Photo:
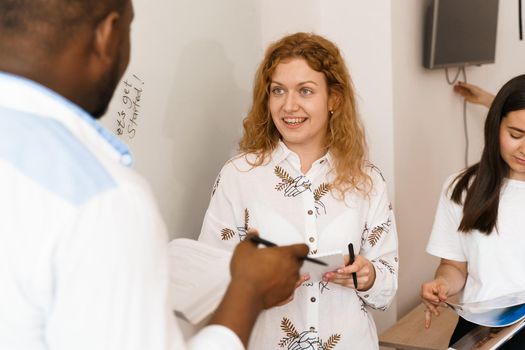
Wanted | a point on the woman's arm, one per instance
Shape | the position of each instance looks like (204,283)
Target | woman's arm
(449,279)
(377,263)
(474,94)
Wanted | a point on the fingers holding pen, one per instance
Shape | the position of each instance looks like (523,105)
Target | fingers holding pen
(277,273)
(362,267)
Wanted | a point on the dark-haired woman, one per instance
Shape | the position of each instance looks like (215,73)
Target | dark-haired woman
(478,230)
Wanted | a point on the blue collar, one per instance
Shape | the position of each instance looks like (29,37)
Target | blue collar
(119,146)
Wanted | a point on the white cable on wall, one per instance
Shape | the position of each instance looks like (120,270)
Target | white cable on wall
(452,82)
(461,70)
(465,124)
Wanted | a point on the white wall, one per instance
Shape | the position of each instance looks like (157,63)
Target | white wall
(196,61)
(428,129)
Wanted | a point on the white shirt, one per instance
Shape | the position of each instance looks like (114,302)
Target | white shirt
(83,250)
(289,207)
(495,261)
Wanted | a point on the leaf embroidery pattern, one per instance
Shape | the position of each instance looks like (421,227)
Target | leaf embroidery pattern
(290,186)
(286,179)
(227,234)
(389,267)
(373,238)
(243,230)
(313,252)
(332,342)
(216,184)
(288,328)
(290,331)
(320,191)
(378,231)
(306,339)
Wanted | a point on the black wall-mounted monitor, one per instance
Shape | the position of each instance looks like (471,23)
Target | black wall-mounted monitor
(460,32)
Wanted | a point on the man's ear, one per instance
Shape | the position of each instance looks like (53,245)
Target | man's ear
(107,38)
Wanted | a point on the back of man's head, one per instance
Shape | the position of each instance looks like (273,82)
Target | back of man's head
(50,24)
(78,48)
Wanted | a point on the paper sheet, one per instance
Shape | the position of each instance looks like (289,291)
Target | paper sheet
(497,312)
(334,261)
(199,276)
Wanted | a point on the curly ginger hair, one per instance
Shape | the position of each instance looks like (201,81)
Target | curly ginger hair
(345,136)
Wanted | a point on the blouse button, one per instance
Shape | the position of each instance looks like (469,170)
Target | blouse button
(312,240)
(366,295)
(310,212)
(312,299)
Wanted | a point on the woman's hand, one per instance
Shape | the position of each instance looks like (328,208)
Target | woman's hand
(451,276)
(434,294)
(474,94)
(365,270)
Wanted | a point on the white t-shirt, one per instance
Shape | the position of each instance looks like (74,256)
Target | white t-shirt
(496,262)
(83,249)
(289,207)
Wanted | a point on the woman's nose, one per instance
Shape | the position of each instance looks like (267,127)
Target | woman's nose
(290,104)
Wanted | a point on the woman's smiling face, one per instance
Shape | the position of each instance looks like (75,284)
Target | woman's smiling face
(299,104)
(512,143)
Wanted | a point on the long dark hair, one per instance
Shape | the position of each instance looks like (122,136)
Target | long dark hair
(482,181)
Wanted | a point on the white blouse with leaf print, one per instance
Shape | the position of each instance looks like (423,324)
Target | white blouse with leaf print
(288,207)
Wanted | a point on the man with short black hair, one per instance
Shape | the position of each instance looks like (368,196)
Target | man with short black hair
(83,260)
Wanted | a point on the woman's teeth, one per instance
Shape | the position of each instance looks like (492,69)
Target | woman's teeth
(294,121)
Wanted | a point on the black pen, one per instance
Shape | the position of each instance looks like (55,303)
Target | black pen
(352,258)
(259,240)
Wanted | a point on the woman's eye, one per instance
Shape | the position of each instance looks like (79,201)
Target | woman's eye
(515,136)
(277,90)
(306,91)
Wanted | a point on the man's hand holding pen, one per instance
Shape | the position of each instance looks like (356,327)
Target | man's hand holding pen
(302,279)
(270,274)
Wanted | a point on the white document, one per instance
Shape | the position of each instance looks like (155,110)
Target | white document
(496,303)
(497,312)
(199,276)
(334,261)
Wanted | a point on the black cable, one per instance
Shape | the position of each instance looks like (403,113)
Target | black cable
(520,20)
